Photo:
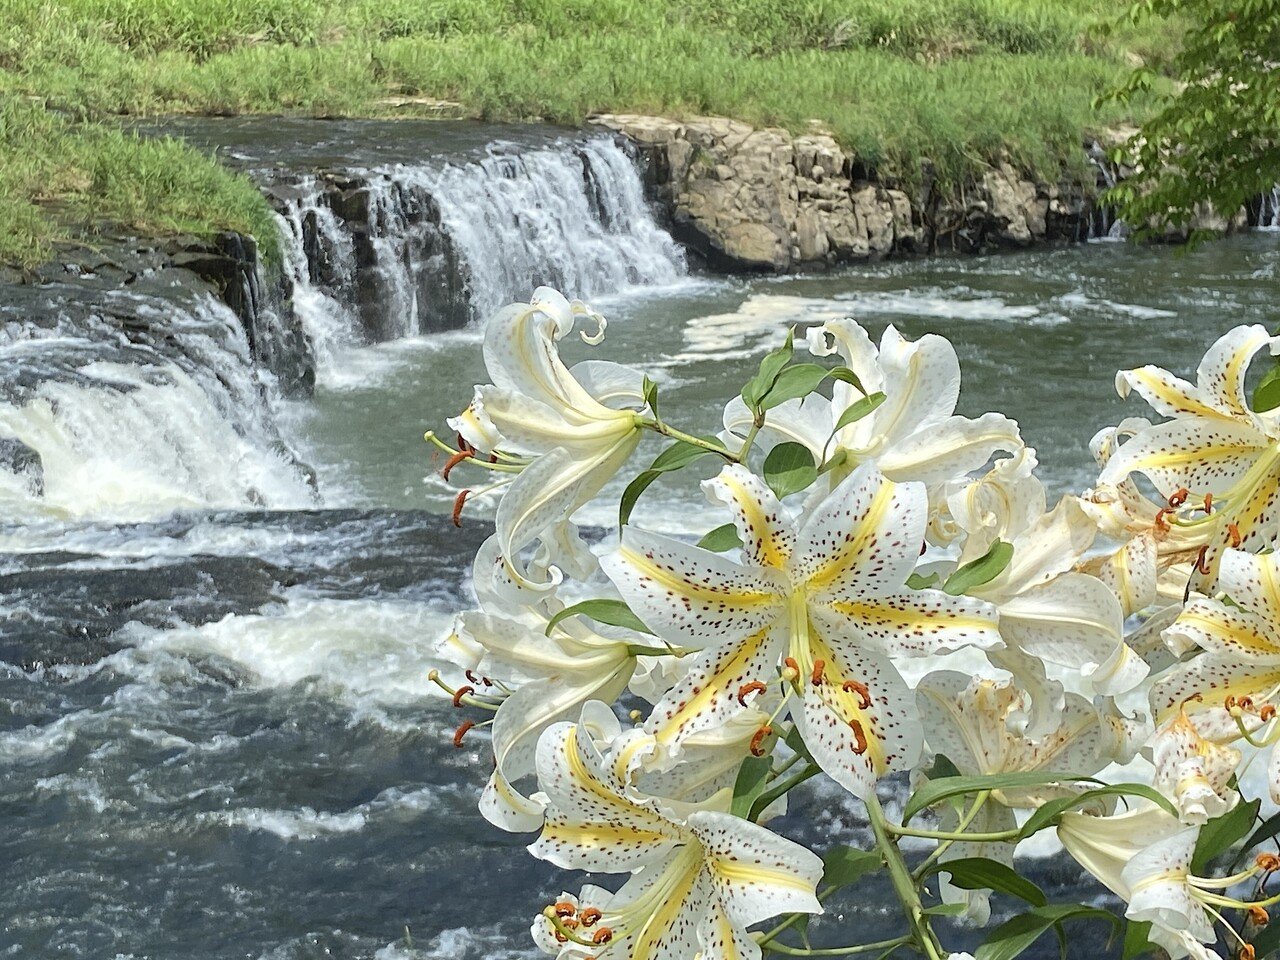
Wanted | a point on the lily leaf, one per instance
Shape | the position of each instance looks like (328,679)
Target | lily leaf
(793,382)
(613,612)
(983,570)
(845,375)
(844,865)
(1222,833)
(1266,395)
(935,791)
(753,776)
(1014,936)
(755,388)
(676,457)
(722,538)
(859,409)
(651,396)
(1048,813)
(789,468)
(980,873)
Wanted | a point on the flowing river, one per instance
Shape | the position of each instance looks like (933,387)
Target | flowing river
(217,738)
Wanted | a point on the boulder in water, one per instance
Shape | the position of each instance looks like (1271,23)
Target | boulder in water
(18,458)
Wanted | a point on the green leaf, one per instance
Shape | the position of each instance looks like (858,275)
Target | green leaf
(1222,833)
(793,382)
(1266,395)
(676,457)
(631,495)
(789,468)
(651,396)
(858,409)
(979,873)
(845,375)
(1266,942)
(844,865)
(1048,813)
(613,612)
(1014,936)
(755,388)
(983,570)
(1137,939)
(753,776)
(1269,828)
(796,743)
(919,582)
(722,538)
(944,910)
(936,791)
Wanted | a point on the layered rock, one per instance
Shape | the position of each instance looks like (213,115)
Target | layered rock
(764,199)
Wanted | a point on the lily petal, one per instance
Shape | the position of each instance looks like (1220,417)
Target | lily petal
(768,536)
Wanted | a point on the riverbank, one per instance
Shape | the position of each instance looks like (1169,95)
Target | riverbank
(961,84)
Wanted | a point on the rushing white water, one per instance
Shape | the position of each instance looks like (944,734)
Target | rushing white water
(435,246)
(1269,210)
(166,423)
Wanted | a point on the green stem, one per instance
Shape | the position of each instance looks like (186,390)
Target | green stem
(668,431)
(750,439)
(778,789)
(945,845)
(904,885)
(995,837)
(787,765)
(838,951)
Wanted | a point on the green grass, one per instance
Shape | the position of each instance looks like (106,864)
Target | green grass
(959,82)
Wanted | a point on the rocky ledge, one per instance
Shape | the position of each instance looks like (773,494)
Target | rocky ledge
(763,199)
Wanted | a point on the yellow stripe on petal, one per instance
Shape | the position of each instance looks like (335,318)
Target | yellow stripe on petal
(679,586)
(857,544)
(736,871)
(772,549)
(601,836)
(728,677)
(649,938)
(848,704)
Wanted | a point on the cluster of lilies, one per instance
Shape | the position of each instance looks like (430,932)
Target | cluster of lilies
(888,591)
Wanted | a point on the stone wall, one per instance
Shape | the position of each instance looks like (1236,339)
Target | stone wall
(762,199)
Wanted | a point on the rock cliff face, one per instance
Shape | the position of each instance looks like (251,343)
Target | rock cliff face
(749,199)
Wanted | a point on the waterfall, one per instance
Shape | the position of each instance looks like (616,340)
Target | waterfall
(388,252)
(1268,210)
(132,407)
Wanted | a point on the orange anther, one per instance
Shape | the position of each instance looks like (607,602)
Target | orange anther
(560,937)
(1246,703)
(864,695)
(790,664)
(1267,713)
(816,677)
(861,746)
(757,740)
(464,445)
(457,507)
(1230,702)
(1202,560)
(1247,951)
(1268,862)
(1179,497)
(1233,529)
(453,461)
(744,691)
(1208,503)
(1162,519)
(462,732)
(589,916)
(1259,916)
(570,923)
(564,908)
(460,693)
(603,935)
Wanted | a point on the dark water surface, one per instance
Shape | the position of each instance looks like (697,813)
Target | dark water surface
(216,733)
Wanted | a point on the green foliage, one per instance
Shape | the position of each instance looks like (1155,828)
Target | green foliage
(676,457)
(615,613)
(1214,139)
(1222,833)
(59,178)
(722,538)
(980,873)
(983,570)
(789,468)
(1013,937)
(843,866)
(958,82)
(753,777)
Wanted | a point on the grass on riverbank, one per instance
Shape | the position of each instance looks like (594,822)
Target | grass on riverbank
(955,81)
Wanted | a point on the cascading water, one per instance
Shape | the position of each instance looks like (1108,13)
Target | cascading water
(133,406)
(387,252)
(1268,210)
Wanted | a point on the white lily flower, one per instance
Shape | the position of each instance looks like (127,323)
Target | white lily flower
(1233,685)
(553,675)
(1212,446)
(1140,570)
(700,876)
(828,600)
(573,427)
(1194,772)
(966,719)
(913,435)
(1048,610)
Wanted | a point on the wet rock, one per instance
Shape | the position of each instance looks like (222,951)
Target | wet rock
(19,459)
